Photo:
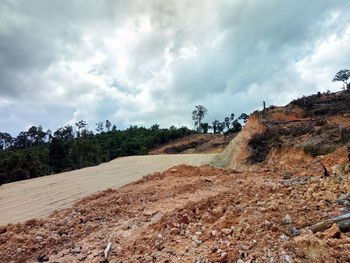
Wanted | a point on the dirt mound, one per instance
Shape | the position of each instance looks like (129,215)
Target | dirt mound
(195,143)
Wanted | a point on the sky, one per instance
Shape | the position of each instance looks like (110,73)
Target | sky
(143,62)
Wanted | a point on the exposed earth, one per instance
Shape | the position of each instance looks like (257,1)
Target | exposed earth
(261,206)
(37,198)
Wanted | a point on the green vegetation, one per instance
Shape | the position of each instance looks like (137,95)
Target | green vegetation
(312,150)
(229,125)
(37,153)
(345,136)
(343,76)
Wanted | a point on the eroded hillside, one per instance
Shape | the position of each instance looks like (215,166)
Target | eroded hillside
(267,209)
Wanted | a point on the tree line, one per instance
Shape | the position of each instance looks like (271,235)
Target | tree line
(230,124)
(36,152)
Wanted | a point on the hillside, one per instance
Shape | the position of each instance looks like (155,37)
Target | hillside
(261,205)
(195,143)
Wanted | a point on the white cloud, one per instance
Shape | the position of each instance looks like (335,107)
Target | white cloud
(146,62)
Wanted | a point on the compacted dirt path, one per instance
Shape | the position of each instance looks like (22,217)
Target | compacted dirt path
(37,198)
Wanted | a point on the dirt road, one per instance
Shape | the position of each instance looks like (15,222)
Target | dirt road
(37,198)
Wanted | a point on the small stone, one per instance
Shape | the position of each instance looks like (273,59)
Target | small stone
(347,168)
(3,230)
(314,179)
(246,247)
(287,219)
(199,233)
(224,255)
(347,203)
(42,258)
(39,238)
(213,233)
(295,232)
(333,232)
(175,231)
(226,231)
(284,237)
(173,170)
(344,210)
(185,219)
(288,259)
(286,176)
(337,169)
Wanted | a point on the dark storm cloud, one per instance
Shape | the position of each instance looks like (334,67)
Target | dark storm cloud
(137,61)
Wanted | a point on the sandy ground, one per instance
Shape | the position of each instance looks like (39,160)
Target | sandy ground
(37,198)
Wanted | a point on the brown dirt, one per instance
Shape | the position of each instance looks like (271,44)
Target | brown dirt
(206,214)
(195,143)
(192,214)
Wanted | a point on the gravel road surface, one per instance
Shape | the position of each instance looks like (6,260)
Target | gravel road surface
(37,198)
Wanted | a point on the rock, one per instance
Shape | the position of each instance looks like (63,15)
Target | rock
(42,258)
(337,169)
(347,168)
(333,232)
(284,237)
(226,231)
(343,198)
(287,219)
(185,219)
(39,238)
(213,233)
(286,176)
(175,231)
(344,226)
(306,208)
(173,170)
(223,256)
(347,203)
(344,210)
(3,229)
(288,259)
(294,232)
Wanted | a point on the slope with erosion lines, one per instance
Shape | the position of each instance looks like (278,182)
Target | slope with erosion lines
(37,198)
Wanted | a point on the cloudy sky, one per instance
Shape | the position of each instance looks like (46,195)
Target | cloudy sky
(142,62)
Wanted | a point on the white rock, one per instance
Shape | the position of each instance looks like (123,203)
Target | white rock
(288,219)
(226,231)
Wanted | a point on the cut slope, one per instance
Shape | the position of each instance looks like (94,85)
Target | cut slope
(236,153)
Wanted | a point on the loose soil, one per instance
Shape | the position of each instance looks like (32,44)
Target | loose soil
(195,214)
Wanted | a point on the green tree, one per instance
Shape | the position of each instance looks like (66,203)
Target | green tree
(205,127)
(243,117)
(236,126)
(197,115)
(343,76)
(81,125)
(108,125)
(227,122)
(99,127)
(155,127)
(215,126)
